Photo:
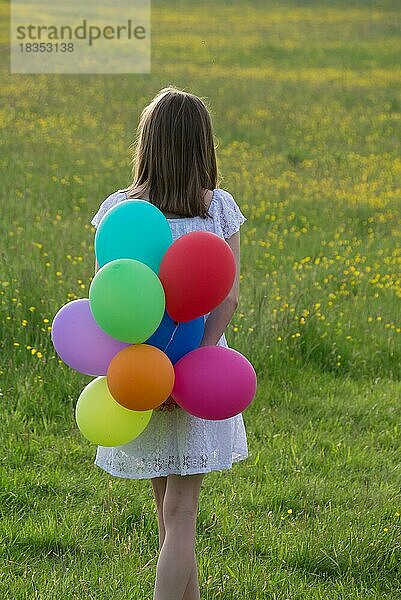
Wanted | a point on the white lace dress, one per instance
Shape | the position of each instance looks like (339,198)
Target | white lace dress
(175,441)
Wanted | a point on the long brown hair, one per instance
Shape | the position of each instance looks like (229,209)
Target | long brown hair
(174,157)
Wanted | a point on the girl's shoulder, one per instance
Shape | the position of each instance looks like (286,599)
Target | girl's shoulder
(228,212)
(108,203)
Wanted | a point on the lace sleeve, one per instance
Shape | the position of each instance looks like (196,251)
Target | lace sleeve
(105,206)
(231,217)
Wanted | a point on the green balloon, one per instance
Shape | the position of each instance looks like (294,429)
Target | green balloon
(127,300)
(103,421)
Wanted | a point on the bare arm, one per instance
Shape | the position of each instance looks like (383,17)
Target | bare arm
(219,318)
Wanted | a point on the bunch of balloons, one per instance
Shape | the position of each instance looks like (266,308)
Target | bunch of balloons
(140,329)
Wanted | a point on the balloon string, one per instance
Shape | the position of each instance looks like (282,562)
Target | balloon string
(172,335)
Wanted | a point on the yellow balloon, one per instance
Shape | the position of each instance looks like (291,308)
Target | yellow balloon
(104,421)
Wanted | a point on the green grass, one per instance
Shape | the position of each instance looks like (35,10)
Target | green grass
(306,102)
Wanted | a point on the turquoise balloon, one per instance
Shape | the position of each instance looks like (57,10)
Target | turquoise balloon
(133,229)
(127,300)
(103,421)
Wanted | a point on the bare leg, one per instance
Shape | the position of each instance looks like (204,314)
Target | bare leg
(192,592)
(159,488)
(177,556)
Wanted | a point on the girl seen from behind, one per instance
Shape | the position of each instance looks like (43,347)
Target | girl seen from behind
(175,168)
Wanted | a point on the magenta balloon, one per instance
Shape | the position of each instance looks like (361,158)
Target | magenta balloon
(80,342)
(214,382)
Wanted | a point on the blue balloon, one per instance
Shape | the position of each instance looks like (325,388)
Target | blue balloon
(133,229)
(187,336)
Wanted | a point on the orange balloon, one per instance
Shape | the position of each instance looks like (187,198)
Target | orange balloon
(140,377)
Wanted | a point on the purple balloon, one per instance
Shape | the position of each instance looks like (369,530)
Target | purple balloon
(80,342)
(214,382)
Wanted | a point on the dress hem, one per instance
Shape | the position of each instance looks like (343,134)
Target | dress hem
(157,474)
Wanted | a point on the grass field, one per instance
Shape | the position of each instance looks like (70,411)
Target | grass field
(306,102)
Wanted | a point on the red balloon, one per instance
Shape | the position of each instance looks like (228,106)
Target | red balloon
(197,272)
